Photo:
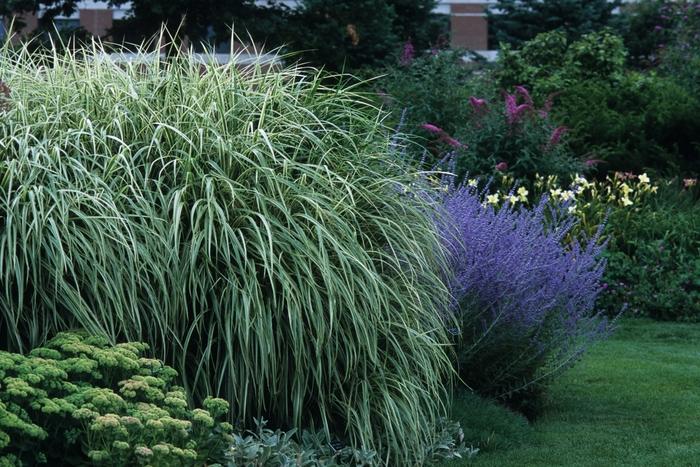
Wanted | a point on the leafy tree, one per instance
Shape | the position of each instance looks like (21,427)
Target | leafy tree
(359,33)
(199,20)
(344,33)
(415,21)
(517,21)
(52,8)
(639,28)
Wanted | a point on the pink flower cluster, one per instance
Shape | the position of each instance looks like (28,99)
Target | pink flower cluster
(442,135)
(408,53)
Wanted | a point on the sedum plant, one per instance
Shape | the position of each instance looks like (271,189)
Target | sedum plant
(80,401)
(246,223)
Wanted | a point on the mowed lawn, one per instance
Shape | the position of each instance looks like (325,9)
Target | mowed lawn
(633,400)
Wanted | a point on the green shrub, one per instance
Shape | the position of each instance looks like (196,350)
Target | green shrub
(642,122)
(517,21)
(80,401)
(247,224)
(654,258)
(549,63)
(413,88)
(489,426)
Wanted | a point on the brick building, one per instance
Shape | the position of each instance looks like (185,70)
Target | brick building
(94,16)
(468,24)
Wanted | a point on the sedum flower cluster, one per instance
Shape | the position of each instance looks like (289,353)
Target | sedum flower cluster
(79,400)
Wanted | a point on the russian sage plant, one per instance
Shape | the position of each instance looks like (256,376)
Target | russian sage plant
(523,295)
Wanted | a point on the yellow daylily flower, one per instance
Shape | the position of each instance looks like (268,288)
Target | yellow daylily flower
(567,195)
(522,193)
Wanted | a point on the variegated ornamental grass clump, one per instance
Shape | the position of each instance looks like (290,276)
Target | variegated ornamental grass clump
(246,224)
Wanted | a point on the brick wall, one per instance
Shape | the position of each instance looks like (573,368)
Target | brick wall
(469,27)
(97,22)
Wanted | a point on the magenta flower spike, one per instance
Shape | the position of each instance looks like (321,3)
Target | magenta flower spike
(434,129)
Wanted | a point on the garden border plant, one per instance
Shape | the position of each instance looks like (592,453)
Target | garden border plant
(247,224)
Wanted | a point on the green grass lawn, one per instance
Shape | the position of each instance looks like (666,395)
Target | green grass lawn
(633,400)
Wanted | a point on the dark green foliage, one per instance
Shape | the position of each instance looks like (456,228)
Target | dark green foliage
(517,21)
(416,22)
(199,20)
(50,8)
(639,30)
(352,34)
(79,400)
(680,57)
(550,63)
(632,121)
(642,122)
(488,425)
(434,88)
(654,258)
(345,34)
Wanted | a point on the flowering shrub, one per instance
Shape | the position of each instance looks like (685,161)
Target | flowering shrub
(653,237)
(485,129)
(525,299)
(512,135)
(79,400)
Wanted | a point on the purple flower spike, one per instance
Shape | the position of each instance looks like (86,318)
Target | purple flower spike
(452,142)
(524,295)
(430,128)
(556,136)
(525,94)
(408,54)
(477,104)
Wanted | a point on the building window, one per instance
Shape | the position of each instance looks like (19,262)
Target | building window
(66,24)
